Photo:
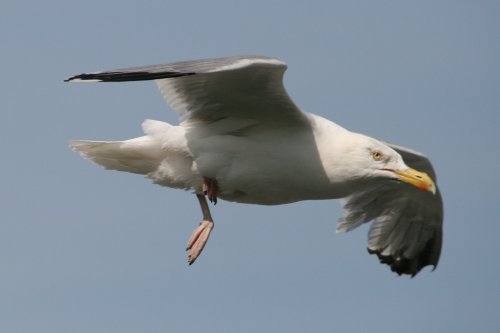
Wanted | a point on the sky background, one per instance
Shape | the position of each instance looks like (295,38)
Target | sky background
(83,249)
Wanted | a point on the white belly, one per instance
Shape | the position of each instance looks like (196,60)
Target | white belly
(254,171)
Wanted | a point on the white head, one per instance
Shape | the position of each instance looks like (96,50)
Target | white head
(364,158)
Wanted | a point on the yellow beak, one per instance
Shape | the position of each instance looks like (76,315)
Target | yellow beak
(418,179)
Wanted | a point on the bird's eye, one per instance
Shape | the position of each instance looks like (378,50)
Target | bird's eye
(377,155)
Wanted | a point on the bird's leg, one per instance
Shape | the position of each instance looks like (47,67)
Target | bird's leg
(210,189)
(200,235)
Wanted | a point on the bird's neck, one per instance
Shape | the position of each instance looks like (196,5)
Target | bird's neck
(333,143)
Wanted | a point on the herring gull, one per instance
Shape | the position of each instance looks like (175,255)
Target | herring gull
(242,139)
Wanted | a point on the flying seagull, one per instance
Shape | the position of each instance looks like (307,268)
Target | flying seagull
(242,139)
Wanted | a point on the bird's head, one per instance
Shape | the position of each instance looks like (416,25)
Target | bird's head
(376,160)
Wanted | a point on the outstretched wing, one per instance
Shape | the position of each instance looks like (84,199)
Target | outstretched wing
(210,90)
(406,232)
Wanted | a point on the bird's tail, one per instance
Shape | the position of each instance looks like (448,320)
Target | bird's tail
(162,155)
(141,155)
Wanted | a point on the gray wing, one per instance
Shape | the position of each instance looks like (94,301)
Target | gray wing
(406,232)
(209,90)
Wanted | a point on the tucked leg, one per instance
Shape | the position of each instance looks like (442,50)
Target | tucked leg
(200,235)
(210,189)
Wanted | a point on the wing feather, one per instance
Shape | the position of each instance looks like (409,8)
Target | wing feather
(210,90)
(247,88)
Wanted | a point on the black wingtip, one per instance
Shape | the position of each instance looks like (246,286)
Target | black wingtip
(69,79)
(402,265)
(82,77)
(117,76)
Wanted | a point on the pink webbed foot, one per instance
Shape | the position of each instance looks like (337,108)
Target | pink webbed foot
(200,235)
(198,239)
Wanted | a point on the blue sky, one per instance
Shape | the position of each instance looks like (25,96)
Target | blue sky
(88,250)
